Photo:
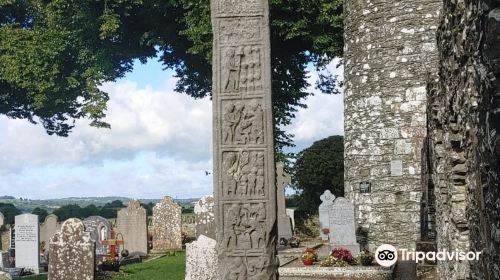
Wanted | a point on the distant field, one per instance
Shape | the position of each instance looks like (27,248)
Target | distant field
(27,205)
(164,268)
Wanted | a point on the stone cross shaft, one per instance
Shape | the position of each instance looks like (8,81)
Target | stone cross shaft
(244,168)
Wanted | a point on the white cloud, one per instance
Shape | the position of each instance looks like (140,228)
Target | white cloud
(324,115)
(160,144)
(168,123)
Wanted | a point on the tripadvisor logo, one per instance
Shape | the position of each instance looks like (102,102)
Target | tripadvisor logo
(387,255)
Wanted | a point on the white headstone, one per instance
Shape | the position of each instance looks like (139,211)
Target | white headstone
(327,199)
(201,259)
(27,242)
(2,219)
(343,226)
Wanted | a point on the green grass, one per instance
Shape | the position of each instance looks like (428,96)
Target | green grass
(164,268)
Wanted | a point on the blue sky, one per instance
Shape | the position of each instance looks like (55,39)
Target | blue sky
(159,143)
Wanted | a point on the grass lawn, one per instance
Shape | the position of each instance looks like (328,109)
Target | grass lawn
(164,268)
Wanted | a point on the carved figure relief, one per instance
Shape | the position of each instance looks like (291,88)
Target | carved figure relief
(243,174)
(237,31)
(239,7)
(247,268)
(241,69)
(244,226)
(242,123)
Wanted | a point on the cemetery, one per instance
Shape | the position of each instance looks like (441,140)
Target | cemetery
(417,167)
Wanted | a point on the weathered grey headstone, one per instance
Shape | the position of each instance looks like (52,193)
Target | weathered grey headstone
(131,222)
(5,276)
(205,217)
(343,226)
(48,228)
(327,199)
(284,223)
(71,252)
(5,234)
(100,230)
(167,235)
(27,241)
(244,168)
(4,259)
(201,259)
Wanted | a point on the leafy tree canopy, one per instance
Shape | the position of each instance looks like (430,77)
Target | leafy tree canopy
(319,168)
(42,214)
(54,54)
(109,210)
(9,212)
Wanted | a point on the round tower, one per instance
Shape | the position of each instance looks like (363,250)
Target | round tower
(390,54)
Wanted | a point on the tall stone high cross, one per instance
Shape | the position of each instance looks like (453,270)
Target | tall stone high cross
(244,168)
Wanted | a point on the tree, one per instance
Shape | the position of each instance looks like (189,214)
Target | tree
(110,210)
(69,211)
(9,212)
(42,213)
(318,168)
(54,54)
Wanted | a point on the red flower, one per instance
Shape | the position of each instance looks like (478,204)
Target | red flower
(342,254)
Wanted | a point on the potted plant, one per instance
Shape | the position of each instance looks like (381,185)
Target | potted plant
(309,256)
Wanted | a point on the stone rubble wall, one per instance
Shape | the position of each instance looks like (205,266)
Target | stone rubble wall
(390,50)
(464,118)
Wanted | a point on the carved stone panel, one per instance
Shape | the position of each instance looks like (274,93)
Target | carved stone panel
(245,227)
(242,122)
(234,31)
(241,69)
(243,174)
(236,7)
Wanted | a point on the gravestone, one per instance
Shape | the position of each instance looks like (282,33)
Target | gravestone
(131,222)
(327,199)
(284,223)
(205,217)
(4,260)
(291,214)
(167,235)
(201,259)
(71,252)
(27,239)
(2,219)
(244,167)
(48,228)
(99,229)
(343,226)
